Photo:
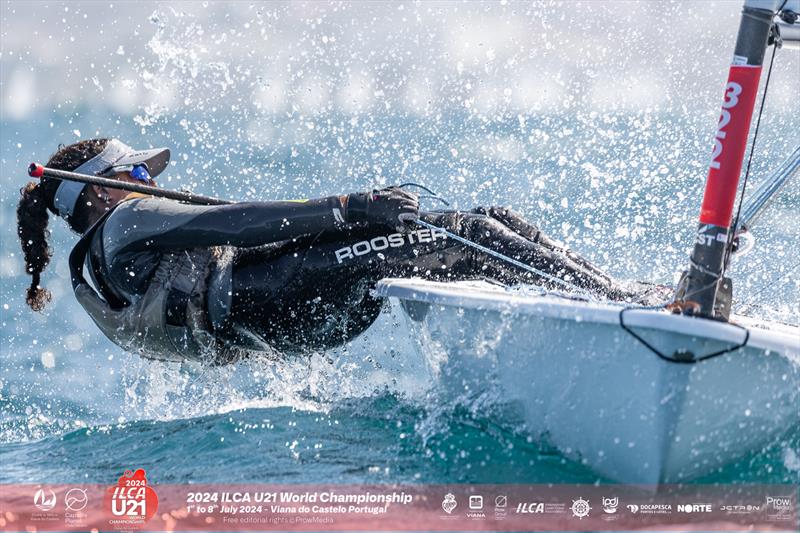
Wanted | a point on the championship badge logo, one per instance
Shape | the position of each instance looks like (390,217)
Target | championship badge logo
(131,502)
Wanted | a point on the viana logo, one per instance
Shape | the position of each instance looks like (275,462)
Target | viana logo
(476,502)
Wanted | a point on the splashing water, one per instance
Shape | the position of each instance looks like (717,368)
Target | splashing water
(600,136)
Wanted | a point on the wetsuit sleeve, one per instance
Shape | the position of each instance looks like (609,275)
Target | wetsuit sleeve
(150,223)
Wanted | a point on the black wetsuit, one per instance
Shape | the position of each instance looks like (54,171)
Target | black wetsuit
(298,277)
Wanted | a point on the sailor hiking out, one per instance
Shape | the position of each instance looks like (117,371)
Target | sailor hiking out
(175,281)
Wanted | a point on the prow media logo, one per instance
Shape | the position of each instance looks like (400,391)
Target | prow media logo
(780,508)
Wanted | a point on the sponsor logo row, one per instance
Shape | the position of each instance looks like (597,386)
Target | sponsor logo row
(776,507)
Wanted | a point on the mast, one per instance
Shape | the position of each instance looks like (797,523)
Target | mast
(703,290)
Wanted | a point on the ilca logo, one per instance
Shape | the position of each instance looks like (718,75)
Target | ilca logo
(44,499)
(530,508)
(132,501)
(449,503)
(580,508)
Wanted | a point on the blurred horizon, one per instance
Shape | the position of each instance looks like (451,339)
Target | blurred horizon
(145,59)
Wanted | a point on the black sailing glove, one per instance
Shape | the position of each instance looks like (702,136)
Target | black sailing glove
(391,207)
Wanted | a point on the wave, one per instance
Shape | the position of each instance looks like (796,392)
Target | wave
(382,439)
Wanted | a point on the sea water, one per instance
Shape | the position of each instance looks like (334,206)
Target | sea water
(621,186)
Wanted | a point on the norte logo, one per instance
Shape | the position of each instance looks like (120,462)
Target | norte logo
(131,502)
(694,508)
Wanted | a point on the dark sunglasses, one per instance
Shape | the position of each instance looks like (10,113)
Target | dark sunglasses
(138,172)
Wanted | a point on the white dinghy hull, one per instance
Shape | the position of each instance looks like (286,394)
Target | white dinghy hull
(598,394)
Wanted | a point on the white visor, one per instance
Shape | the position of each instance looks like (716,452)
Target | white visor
(116,153)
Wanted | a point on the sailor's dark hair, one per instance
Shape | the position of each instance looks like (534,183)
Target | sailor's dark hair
(37,198)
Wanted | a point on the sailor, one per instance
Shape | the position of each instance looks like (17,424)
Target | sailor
(213,283)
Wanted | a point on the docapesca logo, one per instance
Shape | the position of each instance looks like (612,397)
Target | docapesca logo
(131,502)
(650,508)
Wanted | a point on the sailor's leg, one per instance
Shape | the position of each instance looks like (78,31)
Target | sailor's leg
(493,234)
(514,221)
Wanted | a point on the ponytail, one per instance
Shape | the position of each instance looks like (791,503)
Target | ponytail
(32,215)
(32,219)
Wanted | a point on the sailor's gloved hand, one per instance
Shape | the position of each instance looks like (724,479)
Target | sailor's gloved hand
(391,207)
